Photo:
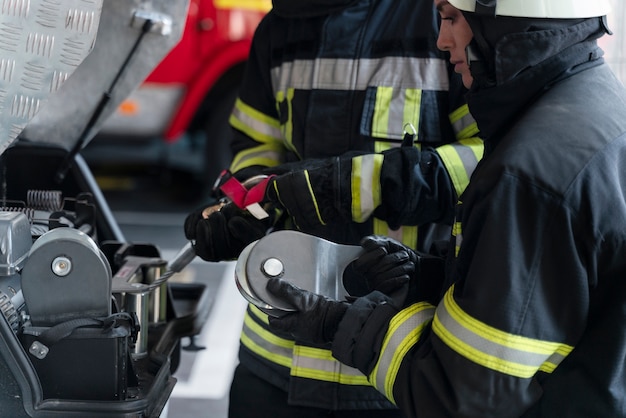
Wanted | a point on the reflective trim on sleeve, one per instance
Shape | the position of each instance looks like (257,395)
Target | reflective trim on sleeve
(460,159)
(405,330)
(267,155)
(319,364)
(463,123)
(304,362)
(366,193)
(266,344)
(287,127)
(258,126)
(352,75)
(405,234)
(380,146)
(457,233)
(492,348)
(313,199)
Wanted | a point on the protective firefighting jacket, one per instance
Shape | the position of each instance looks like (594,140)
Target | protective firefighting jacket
(531,321)
(326,85)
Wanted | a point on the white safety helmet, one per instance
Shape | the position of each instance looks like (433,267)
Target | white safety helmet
(549,9)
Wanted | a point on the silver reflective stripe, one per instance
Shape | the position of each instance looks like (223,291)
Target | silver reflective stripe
(492,348)
(405,329)
(460,159)
(326,365)
(260,123)
(319,364)
(467,156)
(347,74)
(466,126)
(265,344)
(366,186)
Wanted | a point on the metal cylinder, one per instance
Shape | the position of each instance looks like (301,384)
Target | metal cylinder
(157,298)
(138,303)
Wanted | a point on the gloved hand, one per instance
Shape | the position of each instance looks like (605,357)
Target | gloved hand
(385,265)
(317,318)
(313,192)
(221,232)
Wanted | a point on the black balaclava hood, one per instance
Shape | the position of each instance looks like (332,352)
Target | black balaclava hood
(308,8)
(505,46)
(513,59)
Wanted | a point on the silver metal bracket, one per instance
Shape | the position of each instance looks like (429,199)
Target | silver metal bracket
(38,350)
(309,262)
(160,23)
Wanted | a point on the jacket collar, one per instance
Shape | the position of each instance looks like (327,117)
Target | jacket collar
(521,75)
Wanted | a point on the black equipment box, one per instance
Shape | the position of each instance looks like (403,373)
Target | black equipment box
(89,364)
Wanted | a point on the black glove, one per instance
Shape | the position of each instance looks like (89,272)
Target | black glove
(225,233)
(385,265)
(405,275)
(313,192)
(317,318)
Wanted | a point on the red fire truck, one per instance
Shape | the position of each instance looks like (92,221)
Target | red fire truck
(178,118)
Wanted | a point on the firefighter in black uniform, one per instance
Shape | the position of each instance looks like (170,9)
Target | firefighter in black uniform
(330,86)
(529,320)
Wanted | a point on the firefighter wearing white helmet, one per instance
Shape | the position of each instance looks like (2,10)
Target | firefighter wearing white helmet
(548,9)
(529,321)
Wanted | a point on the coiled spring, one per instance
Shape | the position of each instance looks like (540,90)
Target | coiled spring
(47,200)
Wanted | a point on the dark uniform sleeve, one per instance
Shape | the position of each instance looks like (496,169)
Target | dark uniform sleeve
(257,139)
(512,316)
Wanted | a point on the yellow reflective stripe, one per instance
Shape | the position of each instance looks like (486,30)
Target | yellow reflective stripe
(475,144)
(380,227)
(265,344)
(258,126)
(380,146)
(405,234)
(319,364)
(409,236)
(365,184)
(492,348)
(287,127)
(382,109)
(460,159)
(463,123)
(317,209)
(258,5)
(405,329)
(457,233)
(267,155)
(259,314)
(412,105)
(392,113)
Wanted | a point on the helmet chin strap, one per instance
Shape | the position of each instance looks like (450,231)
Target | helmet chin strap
(486,7)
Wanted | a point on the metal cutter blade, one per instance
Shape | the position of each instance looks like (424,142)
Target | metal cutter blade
(309,262)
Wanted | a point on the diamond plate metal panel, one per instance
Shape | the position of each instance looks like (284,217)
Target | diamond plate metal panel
(42,42)
(113,68)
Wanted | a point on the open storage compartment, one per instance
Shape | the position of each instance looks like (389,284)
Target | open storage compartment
(90,325)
